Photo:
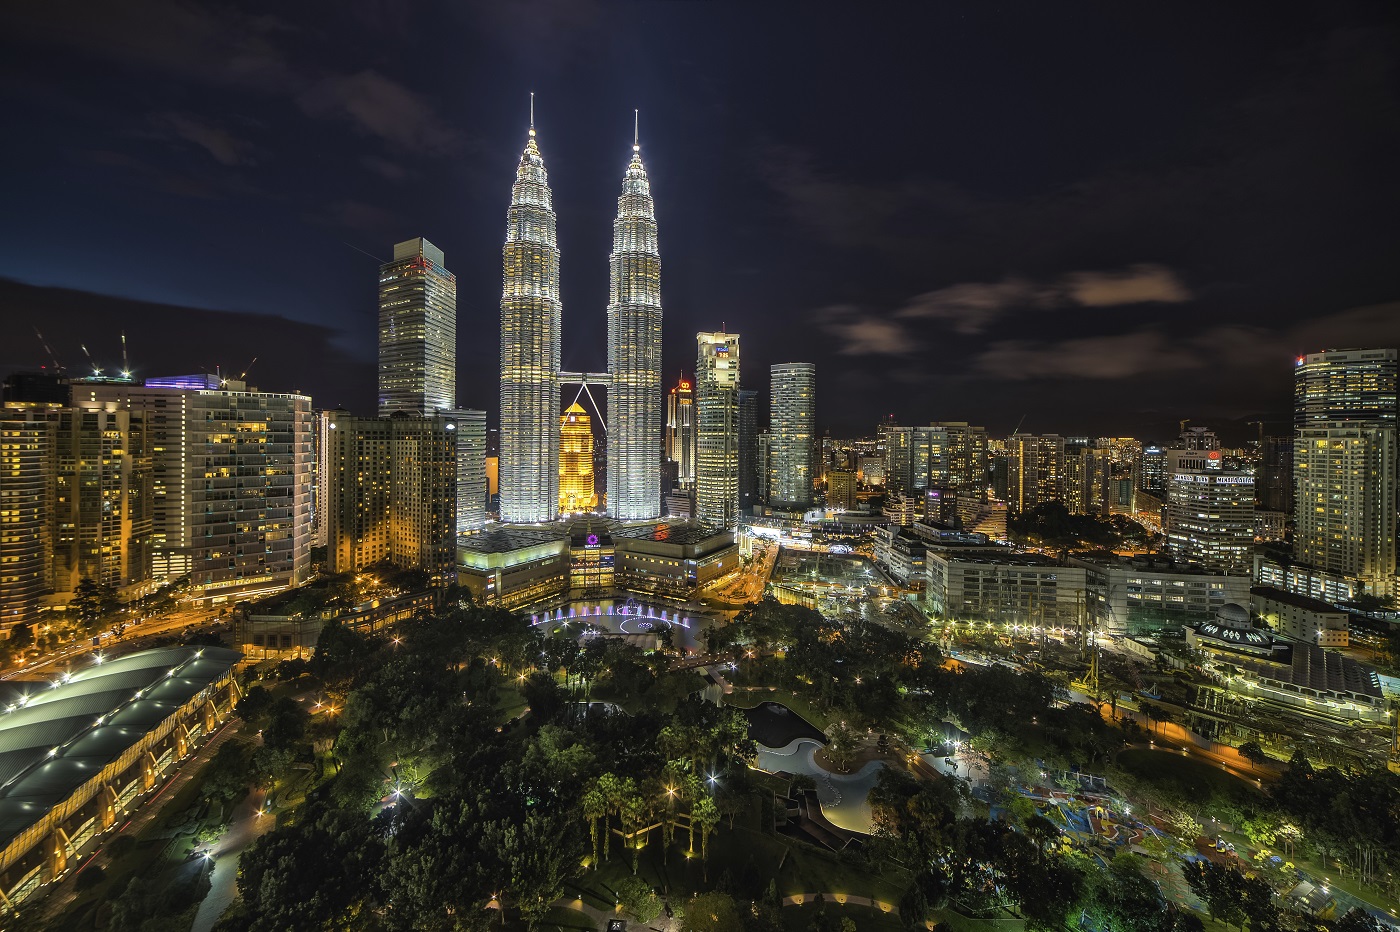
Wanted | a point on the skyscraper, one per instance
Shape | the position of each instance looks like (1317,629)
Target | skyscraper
(576,490)
(792,425)
(531,316)
(392,492)
(1209,515)
(680,431)
(1350,386)
(230,481)
(1035,470)
(752,483)
(1344,465)
(417,331)
(471,470)
(717,429)
(25,541)
(634,352)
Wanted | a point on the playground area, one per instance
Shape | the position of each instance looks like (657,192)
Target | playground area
(1097,823)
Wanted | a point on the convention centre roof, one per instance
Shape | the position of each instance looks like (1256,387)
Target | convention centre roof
(56,737)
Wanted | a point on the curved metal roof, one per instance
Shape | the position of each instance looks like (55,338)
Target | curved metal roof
(56,738)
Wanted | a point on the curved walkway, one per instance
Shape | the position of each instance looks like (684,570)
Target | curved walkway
(843,797)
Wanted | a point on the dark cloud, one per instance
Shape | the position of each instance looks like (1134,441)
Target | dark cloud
(221,144)
(382,107)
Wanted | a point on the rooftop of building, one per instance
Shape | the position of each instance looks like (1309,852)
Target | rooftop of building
(1309,666)
(1307,603)
(670,532)
(1002,557)
(1147,563)
(54,739)
(504,538)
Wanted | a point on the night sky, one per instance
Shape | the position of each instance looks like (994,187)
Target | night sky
(1096,217)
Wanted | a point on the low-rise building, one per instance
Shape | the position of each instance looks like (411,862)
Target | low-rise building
(1300,618)
(516,566)
(1256,666)
(672,559)
(1010,588)
(513,566)
(1155,596)
(901,553)
(277,631)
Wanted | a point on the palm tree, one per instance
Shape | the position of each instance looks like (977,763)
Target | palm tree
(595,807)
(707,814)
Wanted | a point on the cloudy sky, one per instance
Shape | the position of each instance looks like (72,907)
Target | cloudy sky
(1086,217)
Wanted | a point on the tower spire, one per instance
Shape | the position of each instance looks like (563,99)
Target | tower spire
(532,113)
(636,130)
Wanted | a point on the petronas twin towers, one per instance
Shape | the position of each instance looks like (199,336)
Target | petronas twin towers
(531,318)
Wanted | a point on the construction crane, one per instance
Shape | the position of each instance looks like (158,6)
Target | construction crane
(45,344)
(244,374)
(95,369)
(126,365)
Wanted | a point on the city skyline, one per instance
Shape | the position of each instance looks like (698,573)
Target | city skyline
(958,274)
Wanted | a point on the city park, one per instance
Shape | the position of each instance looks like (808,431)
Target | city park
(780,769)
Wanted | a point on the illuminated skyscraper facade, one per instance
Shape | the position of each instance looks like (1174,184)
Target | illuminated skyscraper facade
(1209,516)
(634,353)
(471,470)
(1035,470)
(680,431)
(792,425)
(531,317)
(1345,457)
(576,488)
(417,331)
(392,492)
(717,430)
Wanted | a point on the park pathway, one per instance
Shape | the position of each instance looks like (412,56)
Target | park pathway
(247,825)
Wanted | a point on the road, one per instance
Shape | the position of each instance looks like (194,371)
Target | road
(133,638)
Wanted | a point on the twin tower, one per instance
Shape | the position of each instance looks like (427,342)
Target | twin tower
(531,319)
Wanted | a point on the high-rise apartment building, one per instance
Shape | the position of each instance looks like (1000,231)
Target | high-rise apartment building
(576,484)
(948,455)
(1154,470)
(840,489)
(25,493)
(1350,386)
(100,497)
(471,469)
(1035,470)
(1088,480)
(531,317)
(680,431)
(1209,513)
(634,352)
(1275,481)
(231,476)
(392,493)
(417,331)
(1345,465)
(898,444)
(717,430)
(752,482)
(792,428)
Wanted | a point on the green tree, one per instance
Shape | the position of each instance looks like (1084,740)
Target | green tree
(712,912)
(1252,752)
(92,602)
(638,899)
(1220,888)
